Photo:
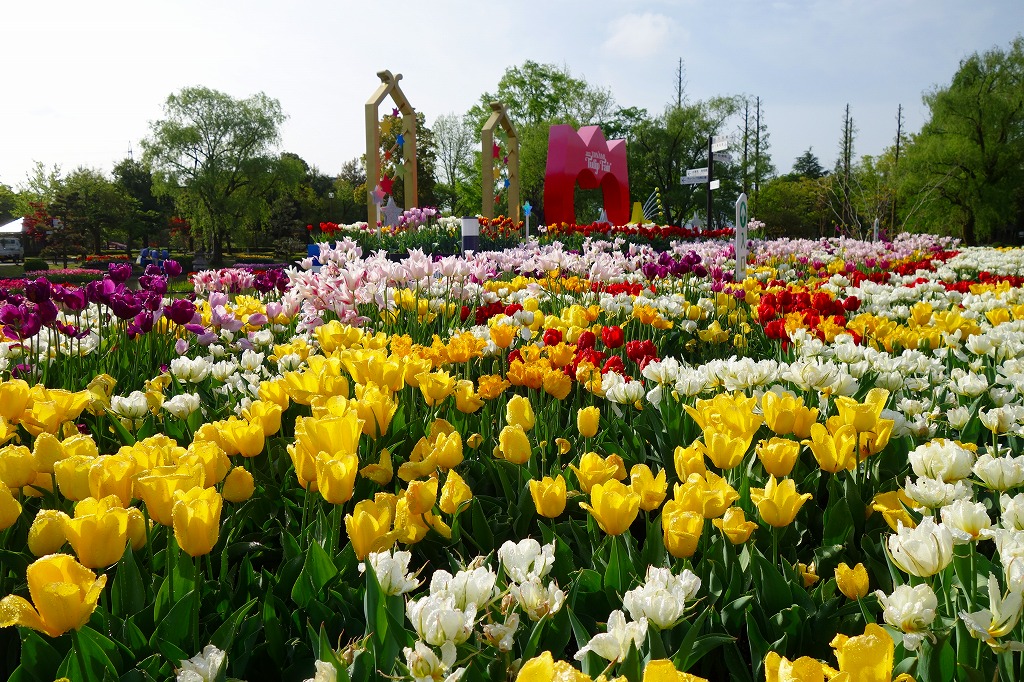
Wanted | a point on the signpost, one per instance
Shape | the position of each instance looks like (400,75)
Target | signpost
(717,146)
(719,143)
(740,245)
(874,231)
(714,184)
(527,210)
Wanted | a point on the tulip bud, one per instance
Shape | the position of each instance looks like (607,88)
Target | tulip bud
(239,485)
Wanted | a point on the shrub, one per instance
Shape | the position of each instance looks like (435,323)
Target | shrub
(36,264)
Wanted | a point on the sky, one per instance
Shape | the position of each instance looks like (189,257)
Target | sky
(82,81)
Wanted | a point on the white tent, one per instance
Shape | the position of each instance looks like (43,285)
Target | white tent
(13,227)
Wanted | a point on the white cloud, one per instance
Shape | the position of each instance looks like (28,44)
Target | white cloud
(638,35)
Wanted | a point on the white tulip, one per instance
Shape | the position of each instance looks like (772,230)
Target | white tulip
(966,520)
(1012,509)
(437,619)
(392,571)
(613,645)
(471,589)
(942,459)
(922,551)
(134,406)
(933,493)
(999,619)
(325,672)
(526,560)
(911,610)
(204,666)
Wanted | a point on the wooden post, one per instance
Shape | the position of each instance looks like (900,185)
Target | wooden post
(499,116)
(389,86)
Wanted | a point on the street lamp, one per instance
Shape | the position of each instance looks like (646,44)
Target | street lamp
(330,195)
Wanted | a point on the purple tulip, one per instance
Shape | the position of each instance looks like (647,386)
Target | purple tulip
(180,311)
(38,290)
(46,311)
(196,329)
(125,305)
(153,270)
(73,299)
(119,272)
(100,291)
(172,268)
(155,283)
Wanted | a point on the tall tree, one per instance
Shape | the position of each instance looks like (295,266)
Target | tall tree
(91,208)
(842,187)
(971,150)
(455,139)
(212,154)
(8,203)
(807,165)
(762,168)
(149,223)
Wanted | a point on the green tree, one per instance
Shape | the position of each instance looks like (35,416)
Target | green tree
(794,206)
(663,148)
(808,166)
(215,156)
(149,222)
(8,203)
(536,96)
(90,208)
(969,155)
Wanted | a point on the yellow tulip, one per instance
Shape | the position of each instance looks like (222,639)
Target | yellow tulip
(503,334)
(211,457)
(804,669)
(651,489)
(474,441)
(548,496)
(614,506)
(778,503)
(436,386)
(734,526)
(266,413)
(240,437)
(421,495)
(14,396)
(113,475)
(336,476)
(681,529)
(835,451)
(80,445)
(787,414)
(239,485)
(867,657)
(274,392)
(369,526)
(519,412)
(778,455)
(689,460)
(588,419)
(447,450)
(723,449)
(852,582)
(467,400)
(410,528)
(490,386)
(454,492)
(594,469)
(514,444)
(376,408)
(862,416)
(64,595)
(46,534)
(663,670)
(10,508)
(709,495)
(197,520)
(557,384)
(99,539)
(893,506)
(137,530)
(17,466)
(158,486)
(382,472)
(808,574)
(46,452)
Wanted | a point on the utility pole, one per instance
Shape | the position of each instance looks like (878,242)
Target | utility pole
(757,150)
(895,164)
(746,144)
(711,176)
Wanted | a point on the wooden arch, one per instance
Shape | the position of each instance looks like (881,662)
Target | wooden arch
(499,116)
(389,86)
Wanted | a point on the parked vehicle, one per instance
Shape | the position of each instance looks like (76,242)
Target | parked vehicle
(12,248)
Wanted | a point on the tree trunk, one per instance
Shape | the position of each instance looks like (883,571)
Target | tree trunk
(217,258)
(968,230)
(97,243)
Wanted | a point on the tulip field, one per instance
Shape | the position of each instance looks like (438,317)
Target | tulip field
(541,463)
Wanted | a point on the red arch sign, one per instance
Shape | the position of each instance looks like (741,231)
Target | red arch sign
(587,158)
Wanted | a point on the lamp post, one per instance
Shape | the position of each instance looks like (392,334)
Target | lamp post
(330,216)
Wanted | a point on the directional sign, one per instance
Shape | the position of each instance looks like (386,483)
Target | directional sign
(741,238)
(722,157)
(719,143)
(698,180)
(715,184)
(697,172)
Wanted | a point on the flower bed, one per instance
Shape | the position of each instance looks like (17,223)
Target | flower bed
(538,463)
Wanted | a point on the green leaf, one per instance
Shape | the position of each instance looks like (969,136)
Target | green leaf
(128,594)
(317,571)
(224,637)
(176,629)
